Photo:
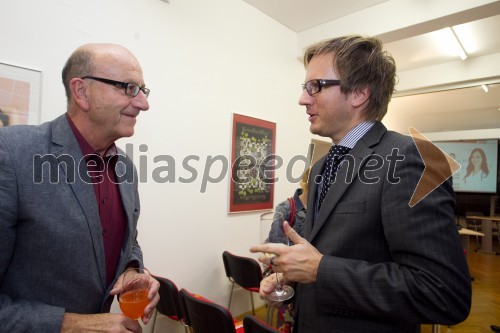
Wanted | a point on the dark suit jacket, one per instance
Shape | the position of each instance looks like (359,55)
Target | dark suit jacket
(387,267)
(51,247)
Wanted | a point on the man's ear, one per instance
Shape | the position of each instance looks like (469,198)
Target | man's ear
(360,97)
(80,93)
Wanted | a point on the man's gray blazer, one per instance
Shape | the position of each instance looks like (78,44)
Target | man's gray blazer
(51,247)
(387,267)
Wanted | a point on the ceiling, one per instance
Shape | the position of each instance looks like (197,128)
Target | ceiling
(300,15)
(419,50)
(431,48)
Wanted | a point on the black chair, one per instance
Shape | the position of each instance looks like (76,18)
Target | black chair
(475,223)
(252,324)
(205,316)
(243,271)
(169,304)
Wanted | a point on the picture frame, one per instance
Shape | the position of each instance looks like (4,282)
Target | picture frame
(20,95)
(252,168)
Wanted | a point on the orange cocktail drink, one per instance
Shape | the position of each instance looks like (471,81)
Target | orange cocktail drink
(133,303)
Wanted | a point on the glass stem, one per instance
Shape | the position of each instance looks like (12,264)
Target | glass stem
(278,285)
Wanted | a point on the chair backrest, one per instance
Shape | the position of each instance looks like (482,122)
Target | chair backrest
(254,325)
(246,272)
(169,304)
(205,316)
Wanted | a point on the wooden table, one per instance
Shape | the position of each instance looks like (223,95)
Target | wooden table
(469,232)
(486,245)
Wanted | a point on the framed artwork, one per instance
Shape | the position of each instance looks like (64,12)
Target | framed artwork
(252,164)
(20,95)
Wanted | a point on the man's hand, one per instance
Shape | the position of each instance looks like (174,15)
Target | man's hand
(298,263)
(108,322)
(105,322)
(153,296)
(268,285)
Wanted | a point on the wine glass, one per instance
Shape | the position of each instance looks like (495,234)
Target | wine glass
(133,298)
(271,231)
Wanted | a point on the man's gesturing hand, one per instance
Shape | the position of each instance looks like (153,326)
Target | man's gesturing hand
(298,263)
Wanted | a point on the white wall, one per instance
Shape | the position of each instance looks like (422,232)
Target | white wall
(203,61)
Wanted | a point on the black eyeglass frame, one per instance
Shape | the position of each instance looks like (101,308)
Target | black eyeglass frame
(320,84)
(119,84)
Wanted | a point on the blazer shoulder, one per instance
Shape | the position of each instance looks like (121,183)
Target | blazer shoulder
(23,140)
(24,136)
(382,138)
(397,138)
(23,133)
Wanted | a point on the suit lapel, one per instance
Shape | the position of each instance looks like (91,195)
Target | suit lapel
(127,195)
(346,175)
(65,143)
(313,196)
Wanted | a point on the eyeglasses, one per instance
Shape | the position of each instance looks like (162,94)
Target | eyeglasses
(131,89)
(314,86)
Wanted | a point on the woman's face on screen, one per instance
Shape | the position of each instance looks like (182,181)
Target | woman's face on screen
(476,159)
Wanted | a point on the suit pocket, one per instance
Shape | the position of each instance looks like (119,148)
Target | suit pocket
(351,207)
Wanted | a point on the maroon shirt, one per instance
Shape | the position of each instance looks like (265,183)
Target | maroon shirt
(101,171)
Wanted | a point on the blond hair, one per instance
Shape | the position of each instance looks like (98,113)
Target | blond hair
(360,62)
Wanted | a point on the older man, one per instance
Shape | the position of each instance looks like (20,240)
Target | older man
(68,217)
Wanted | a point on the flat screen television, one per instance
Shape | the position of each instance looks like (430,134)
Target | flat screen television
(479,164)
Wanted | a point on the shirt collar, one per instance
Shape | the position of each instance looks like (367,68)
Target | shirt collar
(86,148)
(353,136)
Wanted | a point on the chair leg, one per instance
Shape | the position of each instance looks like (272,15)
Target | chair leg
(230,296)
(268,310)
(477,237)
(186,327)
(270,315)
(154,321)
(436,328)
(251,300)
(498,232)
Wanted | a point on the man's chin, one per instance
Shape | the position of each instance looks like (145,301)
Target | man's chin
(314,130)
(127,132)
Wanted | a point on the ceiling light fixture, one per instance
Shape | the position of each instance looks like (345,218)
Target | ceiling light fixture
(460,47)
(485,88)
